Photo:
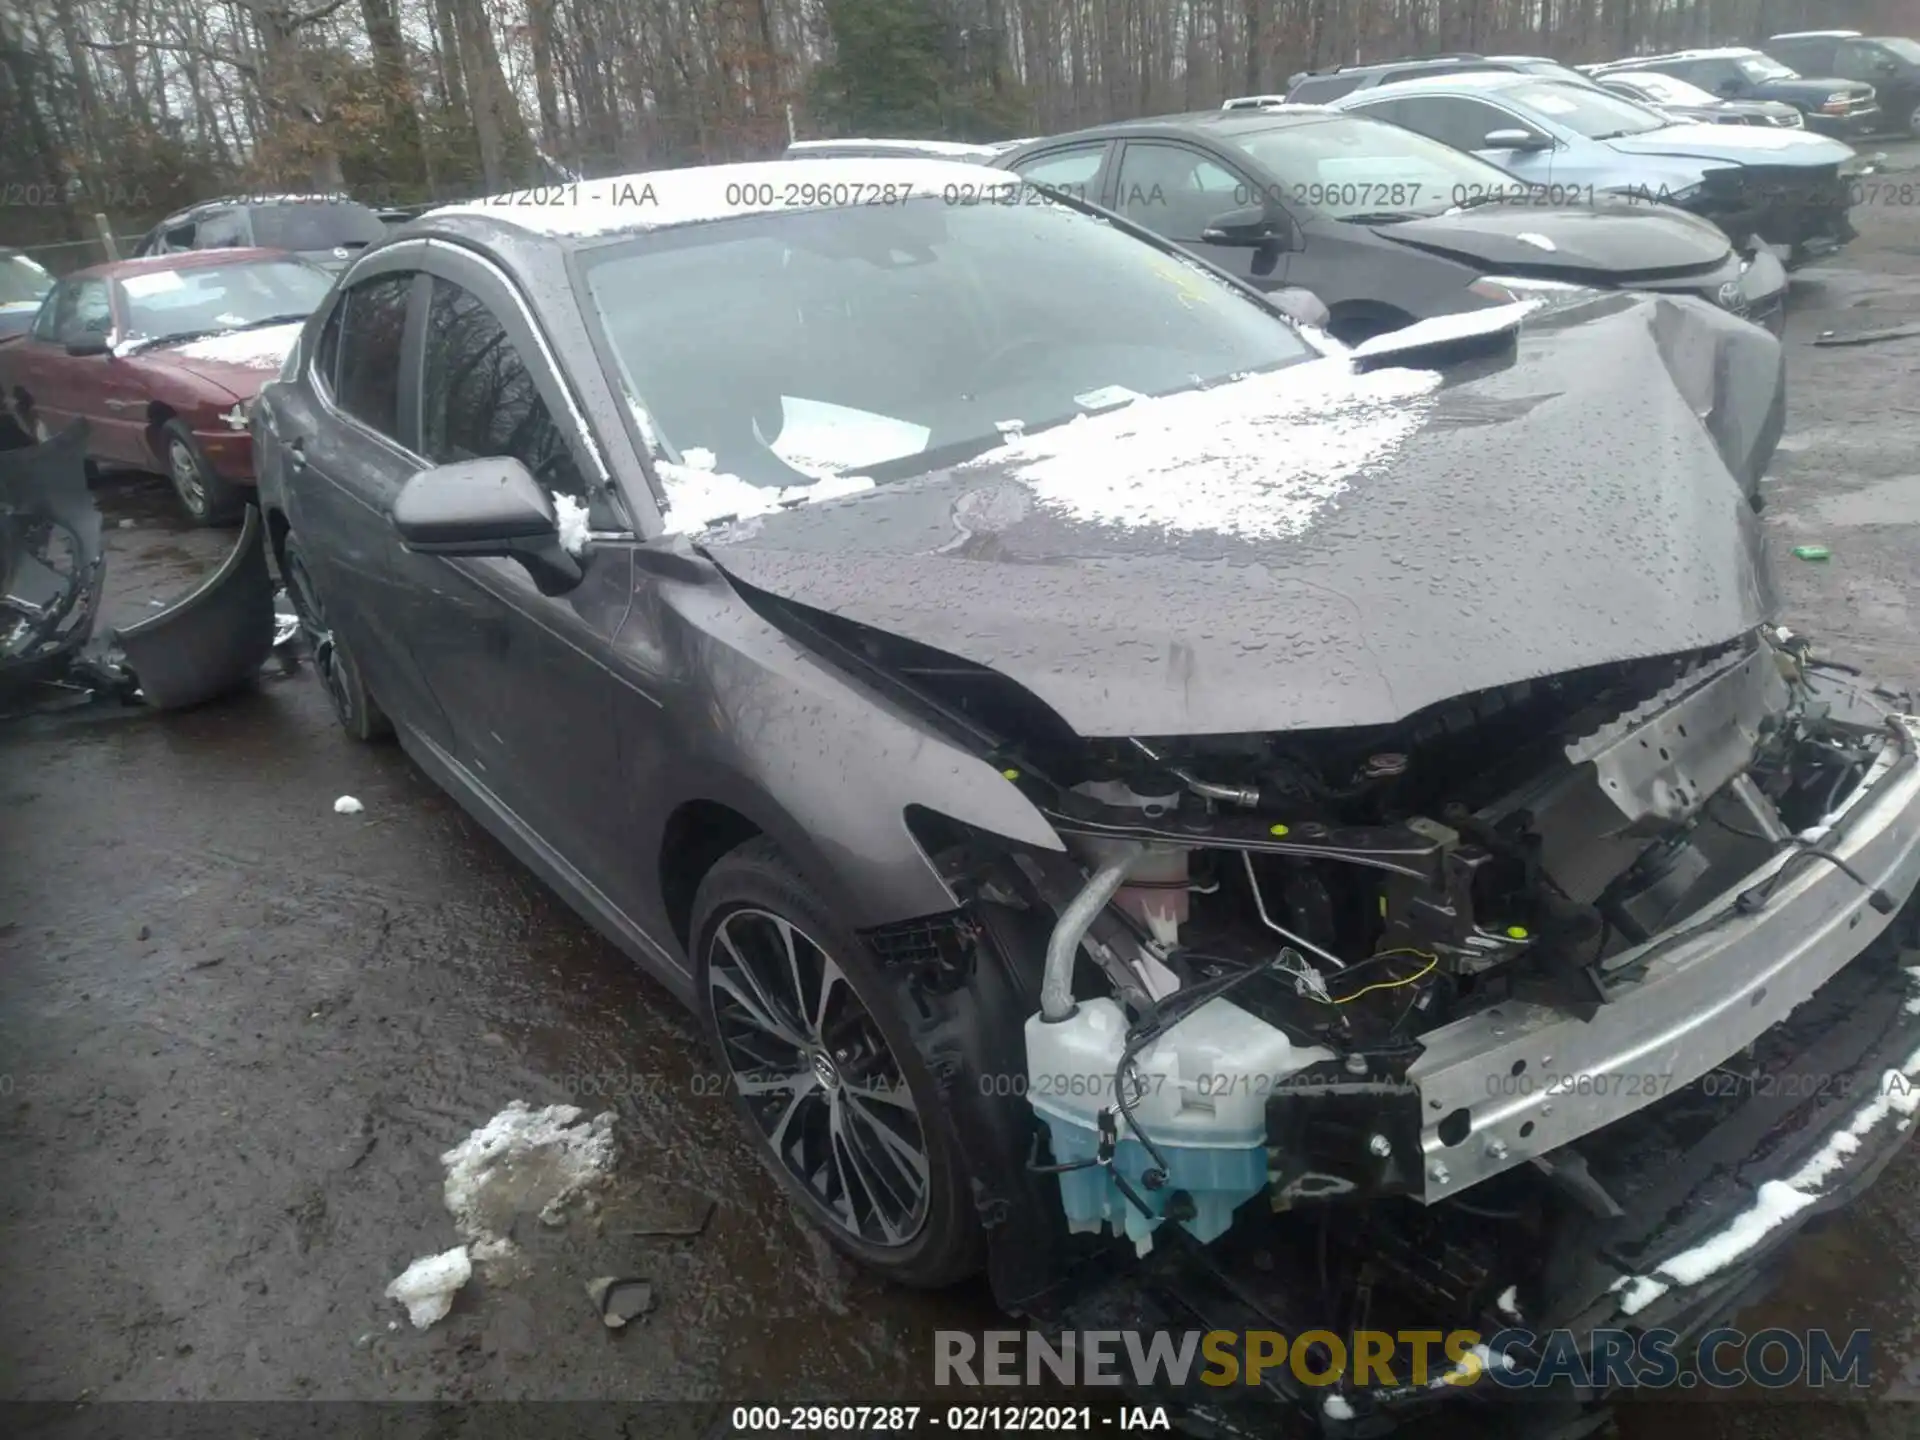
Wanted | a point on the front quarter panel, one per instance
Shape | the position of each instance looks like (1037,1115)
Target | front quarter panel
(744,716)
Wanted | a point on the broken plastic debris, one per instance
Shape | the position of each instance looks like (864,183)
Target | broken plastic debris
(620,1301)
(428,1285)
(347,805)
(1812,552)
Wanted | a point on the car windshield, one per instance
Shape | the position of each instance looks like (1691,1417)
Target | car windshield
(909,335)
(1669,89)
(1763,67)
(1908,50)
(176,305)
(1351,166)
(1585,110)
(22,281)
(315,225)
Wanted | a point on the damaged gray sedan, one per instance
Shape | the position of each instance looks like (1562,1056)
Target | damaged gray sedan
(1218,829)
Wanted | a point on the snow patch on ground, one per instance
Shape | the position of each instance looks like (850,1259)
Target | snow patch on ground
(347,805)
(1509,1302)
(255,349)
(1335,1407)
(1777,1201)
(524,1160)
(699,496)
(572,518)
(428,1285)
(1258,458)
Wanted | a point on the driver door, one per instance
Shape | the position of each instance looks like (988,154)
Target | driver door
(523,677)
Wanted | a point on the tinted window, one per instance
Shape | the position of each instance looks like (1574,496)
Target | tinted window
(180,237)
(1454,120)
(1071,170)
(478,397)
(222,230)
(315,225)
(1319,89)
(1174,191)
(1859,60)
(326,354)
(375,315)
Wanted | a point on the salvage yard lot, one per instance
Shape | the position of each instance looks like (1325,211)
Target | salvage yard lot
(237,1030)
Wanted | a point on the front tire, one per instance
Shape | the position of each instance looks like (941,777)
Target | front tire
(824,1074)
(207,499)
(353,704)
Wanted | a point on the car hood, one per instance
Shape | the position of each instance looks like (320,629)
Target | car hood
(1598,241)
(240,363)
(1738,144)
(1315,547)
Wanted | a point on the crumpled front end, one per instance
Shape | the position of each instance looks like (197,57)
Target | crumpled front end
(1469,1008)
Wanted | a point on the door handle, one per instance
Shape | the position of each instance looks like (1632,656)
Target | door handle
(296,453)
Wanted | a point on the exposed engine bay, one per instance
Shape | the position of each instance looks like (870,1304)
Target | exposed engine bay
(1396,964)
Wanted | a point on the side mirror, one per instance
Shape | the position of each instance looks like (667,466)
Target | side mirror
(490,506)
(1251,226)
(1516,140)
(91,343)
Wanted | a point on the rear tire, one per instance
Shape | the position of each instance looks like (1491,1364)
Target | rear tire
(207,499)
(848,1118)
(353,704)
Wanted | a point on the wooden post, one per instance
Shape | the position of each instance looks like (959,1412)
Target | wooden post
(107,241)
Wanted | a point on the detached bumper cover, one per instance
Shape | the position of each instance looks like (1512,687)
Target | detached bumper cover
(1702,993)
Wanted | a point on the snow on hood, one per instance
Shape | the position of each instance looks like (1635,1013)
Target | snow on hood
(264,349)
(1468,325)
(1257,458)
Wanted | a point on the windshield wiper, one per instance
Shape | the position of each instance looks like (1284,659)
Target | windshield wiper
(262,324)
(1384,217)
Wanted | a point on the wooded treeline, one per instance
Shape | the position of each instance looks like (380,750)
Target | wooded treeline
(136,107)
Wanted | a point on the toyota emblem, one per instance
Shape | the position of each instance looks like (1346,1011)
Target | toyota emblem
(1732,299)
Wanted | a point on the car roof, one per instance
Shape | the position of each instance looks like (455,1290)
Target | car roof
(1719,52)
(1201,123)
(664,199)
(1466,80)
(180,260)
(956,148)
(1816,35)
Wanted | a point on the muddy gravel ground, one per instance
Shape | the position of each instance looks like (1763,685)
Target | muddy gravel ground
(238,1030)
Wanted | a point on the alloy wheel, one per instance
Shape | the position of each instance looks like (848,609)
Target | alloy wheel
(818,1076)
(184,470)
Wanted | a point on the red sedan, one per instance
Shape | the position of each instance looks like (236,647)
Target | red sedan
(163,356)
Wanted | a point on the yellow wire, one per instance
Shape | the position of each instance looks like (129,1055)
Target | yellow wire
(1432,961)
